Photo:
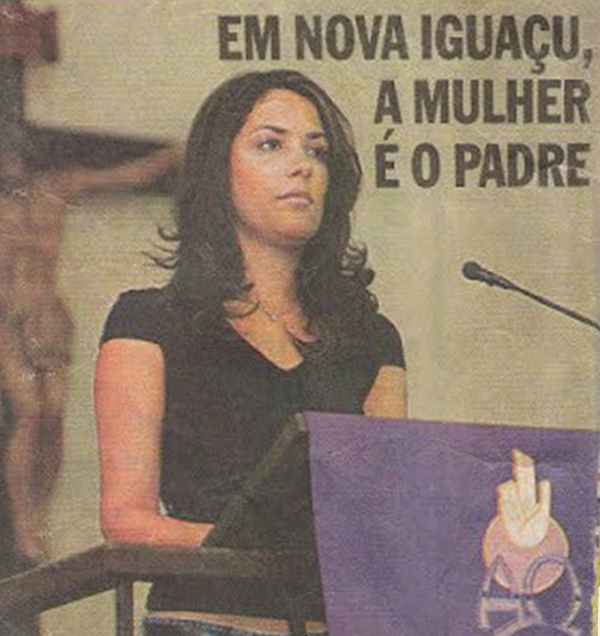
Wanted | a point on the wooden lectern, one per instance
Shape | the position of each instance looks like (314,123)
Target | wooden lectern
(243,545)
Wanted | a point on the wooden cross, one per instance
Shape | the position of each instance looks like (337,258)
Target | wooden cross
(24,36)
(31,37)
(35,327)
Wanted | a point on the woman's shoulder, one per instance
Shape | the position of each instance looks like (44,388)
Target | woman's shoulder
(387,342)
(383,323)
(147,297)
(141,314)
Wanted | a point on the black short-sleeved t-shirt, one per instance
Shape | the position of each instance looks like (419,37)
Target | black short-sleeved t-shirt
(225,402)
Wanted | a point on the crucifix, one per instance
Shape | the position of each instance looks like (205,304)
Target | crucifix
(36,186)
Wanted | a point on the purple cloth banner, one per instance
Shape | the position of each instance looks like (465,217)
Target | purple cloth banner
(431,529)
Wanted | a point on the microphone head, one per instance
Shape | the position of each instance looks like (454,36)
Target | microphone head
(472,270)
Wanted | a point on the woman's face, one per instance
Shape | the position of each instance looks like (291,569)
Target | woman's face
(278,171)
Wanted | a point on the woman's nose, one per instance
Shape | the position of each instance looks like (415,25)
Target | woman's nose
(301,164)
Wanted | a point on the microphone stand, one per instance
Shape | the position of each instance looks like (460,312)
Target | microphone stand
(473,271)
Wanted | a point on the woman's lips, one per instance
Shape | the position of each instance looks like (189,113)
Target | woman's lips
(301,197)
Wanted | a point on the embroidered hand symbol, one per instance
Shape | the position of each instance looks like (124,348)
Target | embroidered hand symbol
(524,510)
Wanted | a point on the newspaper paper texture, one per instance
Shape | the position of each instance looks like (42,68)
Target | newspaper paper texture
(476,125)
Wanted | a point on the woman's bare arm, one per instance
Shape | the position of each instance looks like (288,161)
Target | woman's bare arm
(129,397)
(387,397)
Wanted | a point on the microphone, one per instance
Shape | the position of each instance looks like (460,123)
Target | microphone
(474,271)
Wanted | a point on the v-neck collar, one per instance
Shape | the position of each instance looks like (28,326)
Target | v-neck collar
(260,354)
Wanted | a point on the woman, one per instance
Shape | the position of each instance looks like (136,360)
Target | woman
(267,314)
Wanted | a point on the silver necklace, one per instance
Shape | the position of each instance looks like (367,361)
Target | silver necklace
(279,318)
(273,316)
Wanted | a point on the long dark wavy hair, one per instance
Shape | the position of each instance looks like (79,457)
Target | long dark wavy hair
(332,277)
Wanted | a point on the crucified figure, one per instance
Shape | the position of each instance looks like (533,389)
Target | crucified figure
(36,328)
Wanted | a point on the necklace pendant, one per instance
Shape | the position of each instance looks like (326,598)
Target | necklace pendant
(273,316)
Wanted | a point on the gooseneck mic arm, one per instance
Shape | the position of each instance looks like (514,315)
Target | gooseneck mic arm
(474,271)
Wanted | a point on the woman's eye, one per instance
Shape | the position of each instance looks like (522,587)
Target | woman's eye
(269,144)
(318,152)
